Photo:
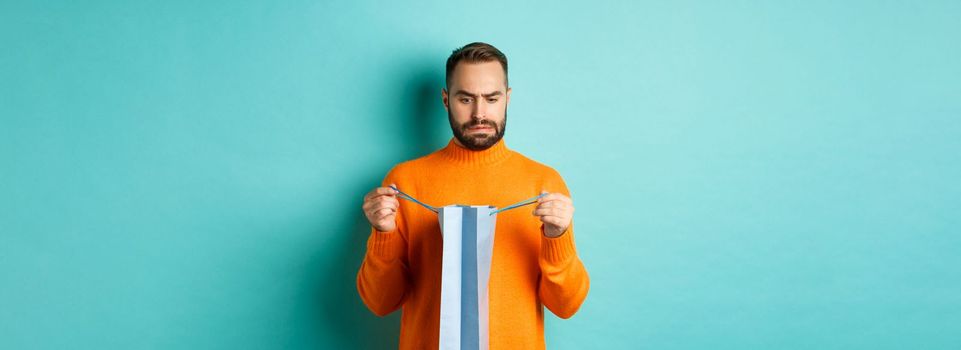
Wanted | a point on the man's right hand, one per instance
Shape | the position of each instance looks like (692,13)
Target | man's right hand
(380,207)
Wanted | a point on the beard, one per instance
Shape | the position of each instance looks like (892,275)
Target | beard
(477,142)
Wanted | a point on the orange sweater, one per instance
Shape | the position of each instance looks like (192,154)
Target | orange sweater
(403,268)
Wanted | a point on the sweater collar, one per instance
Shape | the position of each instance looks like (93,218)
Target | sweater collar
(495,154)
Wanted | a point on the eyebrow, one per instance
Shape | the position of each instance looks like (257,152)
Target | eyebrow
(465,93)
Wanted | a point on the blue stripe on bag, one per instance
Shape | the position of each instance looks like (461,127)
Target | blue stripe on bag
(468,318)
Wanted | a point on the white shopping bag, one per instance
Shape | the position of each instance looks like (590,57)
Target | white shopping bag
(468,246)
(468,233)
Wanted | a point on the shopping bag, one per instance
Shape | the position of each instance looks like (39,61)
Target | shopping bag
(468,233)
(468,246)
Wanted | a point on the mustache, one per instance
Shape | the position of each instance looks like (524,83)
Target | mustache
(478,122)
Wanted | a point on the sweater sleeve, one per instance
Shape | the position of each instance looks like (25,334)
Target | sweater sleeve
(564,282)
(384,276)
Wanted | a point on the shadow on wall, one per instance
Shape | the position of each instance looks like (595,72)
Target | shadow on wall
(342,312)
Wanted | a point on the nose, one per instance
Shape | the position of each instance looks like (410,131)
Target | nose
(480,110)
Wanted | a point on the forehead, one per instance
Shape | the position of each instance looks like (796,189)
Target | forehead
(478,76)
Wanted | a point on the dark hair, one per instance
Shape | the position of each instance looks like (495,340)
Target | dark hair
(476,52)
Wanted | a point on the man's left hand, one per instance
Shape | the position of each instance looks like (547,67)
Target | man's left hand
(555,210)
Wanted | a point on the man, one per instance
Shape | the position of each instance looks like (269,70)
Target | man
(534,259)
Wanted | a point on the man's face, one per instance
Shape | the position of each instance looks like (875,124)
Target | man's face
(477,104)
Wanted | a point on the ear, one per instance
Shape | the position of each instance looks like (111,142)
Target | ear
(443,96)
(508,101)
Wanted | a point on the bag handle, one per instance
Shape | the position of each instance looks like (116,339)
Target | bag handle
(529,201)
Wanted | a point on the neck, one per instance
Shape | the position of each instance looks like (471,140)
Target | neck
(457,152)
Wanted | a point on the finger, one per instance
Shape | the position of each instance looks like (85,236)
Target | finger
(384,212)
(380,191)
(548,211)
(391,202)
(556,196)
(553,197)
(553,204)
(368,205)
(385,199)
(543,208)
(556,205)
(385,205)
(376,202)
(556,221)
(543,195)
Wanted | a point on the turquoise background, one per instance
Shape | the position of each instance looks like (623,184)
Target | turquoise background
(747,175)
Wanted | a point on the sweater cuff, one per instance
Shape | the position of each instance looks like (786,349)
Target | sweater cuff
(558,249)
(382,244)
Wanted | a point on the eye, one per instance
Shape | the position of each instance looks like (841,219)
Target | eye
(492,100)
(465,100)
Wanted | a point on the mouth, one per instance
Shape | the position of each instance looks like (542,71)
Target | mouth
(480,128)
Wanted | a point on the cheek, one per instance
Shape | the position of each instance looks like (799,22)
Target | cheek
(461,113)
(498,110)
